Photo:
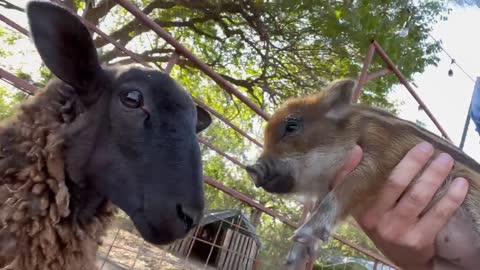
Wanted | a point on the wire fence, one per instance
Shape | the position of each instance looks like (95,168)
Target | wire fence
(227,242)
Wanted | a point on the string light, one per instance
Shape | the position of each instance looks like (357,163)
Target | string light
(403,32)
(450,71)
(453,61)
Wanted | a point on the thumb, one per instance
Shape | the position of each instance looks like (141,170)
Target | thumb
(352,161)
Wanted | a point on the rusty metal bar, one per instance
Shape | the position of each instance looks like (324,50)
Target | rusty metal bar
(94,28)
(184,51)
(209,180)
(229,88)
(465,127)
(17,82)
(172,61)
(13,24)
(222,153)
(364,72)
(244,198)
(199,102)
(366,252)
(226,121)
(376,74)
(404,81)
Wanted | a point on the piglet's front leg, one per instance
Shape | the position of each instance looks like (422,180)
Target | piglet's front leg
(320,224)
(317,227)
(336,205)
(299,254)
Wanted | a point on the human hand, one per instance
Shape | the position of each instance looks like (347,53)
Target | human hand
(395,227)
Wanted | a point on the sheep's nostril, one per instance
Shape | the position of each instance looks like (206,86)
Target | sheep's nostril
(187,219)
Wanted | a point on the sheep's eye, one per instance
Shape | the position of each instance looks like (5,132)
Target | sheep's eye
(292,126)
(132,98)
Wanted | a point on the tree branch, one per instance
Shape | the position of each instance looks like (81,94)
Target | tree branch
(70,4)
(6,4)
(134,28)
(115,53)
(94,14)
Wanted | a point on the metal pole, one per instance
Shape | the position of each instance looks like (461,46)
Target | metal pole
(140,60)
(364,72)
(17,82)
(188,54)
(404,81)
(465,127)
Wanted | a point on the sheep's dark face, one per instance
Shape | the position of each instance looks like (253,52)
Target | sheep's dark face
(135,142)
(146,156)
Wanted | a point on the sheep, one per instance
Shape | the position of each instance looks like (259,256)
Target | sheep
(97,138)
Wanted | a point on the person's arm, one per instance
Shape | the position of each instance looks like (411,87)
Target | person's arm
(394,227)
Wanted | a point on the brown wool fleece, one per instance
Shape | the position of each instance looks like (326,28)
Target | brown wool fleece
(38,228)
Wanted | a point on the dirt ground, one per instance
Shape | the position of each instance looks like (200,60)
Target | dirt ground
(129,251)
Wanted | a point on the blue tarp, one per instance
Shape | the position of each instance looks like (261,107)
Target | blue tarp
(475,110)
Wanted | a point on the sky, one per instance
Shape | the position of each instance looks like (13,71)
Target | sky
(447,97)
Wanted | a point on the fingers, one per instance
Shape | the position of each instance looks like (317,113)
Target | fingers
(353,159)
(399,179)
(434,220)
(420,194)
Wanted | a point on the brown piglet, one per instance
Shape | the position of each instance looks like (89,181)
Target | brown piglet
(307,141)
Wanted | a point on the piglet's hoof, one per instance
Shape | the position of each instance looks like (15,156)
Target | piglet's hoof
(298,253)
(306,235)
(302,237)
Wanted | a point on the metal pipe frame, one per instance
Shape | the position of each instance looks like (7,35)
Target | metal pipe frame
(180,50)
(141,61)
(407,85)
(25,85)
(144,19)
(14,25)
(17,82)
(233,193)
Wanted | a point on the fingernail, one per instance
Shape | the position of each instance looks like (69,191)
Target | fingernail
(444,158)
(459,184)
(425,147)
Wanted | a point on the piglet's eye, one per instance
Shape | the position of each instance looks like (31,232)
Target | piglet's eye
(132,98)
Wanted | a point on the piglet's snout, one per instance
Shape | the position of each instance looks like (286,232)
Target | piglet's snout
(256,172)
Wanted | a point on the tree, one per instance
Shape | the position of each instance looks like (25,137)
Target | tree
(467,2)
(270,50)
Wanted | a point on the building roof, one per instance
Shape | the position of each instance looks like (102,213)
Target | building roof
(212,216)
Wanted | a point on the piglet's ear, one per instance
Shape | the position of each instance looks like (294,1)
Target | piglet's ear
(338,96)
(64,44)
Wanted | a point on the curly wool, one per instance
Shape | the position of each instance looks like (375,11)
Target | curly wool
(39,230)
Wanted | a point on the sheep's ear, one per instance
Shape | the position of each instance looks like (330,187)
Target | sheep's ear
(203,119)
(64,44)
(338,96)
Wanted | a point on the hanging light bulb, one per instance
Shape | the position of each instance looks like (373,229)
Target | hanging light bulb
(450,71)
(403,32)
